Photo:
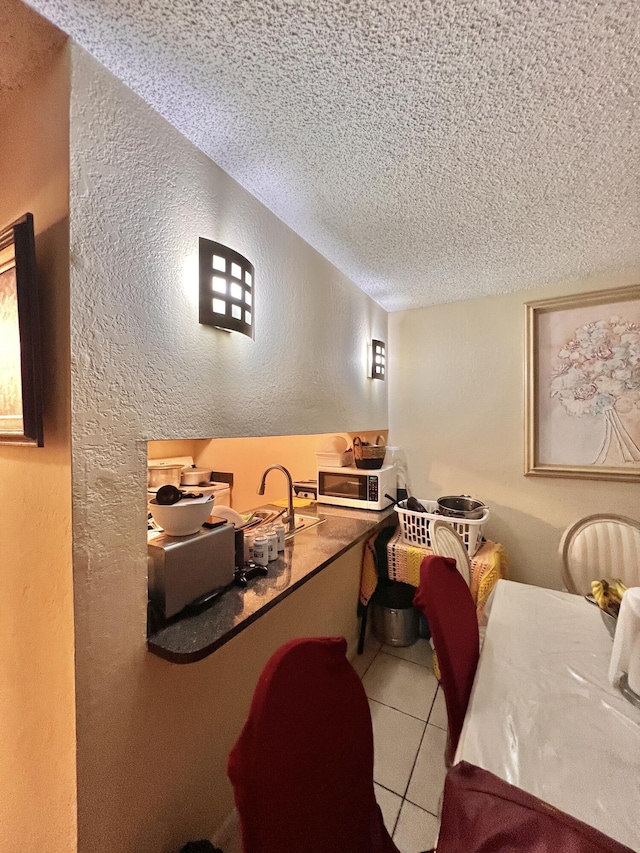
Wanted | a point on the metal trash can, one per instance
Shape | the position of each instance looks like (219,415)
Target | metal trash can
(395,621)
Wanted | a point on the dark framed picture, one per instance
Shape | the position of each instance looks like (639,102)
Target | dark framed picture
(20,355)
(582,407)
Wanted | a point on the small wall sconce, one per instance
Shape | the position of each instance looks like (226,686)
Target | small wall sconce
(226,288)
(378,360)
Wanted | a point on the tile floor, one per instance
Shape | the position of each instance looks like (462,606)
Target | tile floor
(409,733)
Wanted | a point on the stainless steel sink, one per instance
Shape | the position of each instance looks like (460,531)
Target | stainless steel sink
(301,522)
(304,522)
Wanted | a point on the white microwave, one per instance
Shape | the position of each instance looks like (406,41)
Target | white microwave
(357,487)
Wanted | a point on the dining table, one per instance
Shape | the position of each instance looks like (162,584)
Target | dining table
(543,715)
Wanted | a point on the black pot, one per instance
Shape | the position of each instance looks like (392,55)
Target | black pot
(461,506)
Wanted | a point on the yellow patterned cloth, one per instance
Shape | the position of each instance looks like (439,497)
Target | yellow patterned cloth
(403,564)
(487,567)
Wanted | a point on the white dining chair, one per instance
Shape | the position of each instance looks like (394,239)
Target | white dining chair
(600,546)
(447,542)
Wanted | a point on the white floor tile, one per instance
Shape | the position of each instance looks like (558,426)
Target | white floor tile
(371,640)
(401,684)
(416,829)
(427,779)
(389,806)
(420,652)
(396,738)
(361,663)
(438,715)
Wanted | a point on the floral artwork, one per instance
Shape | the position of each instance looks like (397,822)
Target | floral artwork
(599,374)
(584,385)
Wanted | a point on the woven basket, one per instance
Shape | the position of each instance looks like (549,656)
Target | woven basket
(368,455)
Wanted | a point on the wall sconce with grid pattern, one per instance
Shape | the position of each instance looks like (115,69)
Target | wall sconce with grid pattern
(226,288)
(378,359)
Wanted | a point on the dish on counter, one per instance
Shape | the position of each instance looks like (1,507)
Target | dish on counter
(182,518)
(230,515)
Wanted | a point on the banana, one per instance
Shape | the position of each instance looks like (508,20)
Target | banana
(620,588)
(598,592)
(608,595)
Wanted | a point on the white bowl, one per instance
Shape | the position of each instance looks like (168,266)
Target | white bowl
(182,518)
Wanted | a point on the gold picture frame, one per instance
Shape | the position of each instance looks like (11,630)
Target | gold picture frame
(20,360)
(582,386)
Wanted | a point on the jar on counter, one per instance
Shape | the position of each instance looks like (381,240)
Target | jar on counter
(248,547)
(261,550)
(272,542)
(280,530)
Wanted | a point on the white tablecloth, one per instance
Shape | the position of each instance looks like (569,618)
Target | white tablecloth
(543,715)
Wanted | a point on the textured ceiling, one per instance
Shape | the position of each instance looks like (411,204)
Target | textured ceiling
(433,151)
(27,44)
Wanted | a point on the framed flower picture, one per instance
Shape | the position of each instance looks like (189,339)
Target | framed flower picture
(582,385)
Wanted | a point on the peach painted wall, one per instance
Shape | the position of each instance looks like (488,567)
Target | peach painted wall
(247,458)
(37,702)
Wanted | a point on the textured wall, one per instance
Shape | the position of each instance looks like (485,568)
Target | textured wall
(457,402)
(433,151)
(37,712)
(142,368)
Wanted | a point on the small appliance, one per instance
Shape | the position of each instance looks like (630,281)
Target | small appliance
(357,488)
(183,570)
(306,489)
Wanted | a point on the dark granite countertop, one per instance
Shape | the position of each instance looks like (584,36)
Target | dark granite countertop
(193,638)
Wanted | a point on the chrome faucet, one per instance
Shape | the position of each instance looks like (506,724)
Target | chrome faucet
(289,520)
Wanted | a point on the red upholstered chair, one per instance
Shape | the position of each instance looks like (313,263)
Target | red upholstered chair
(481,813)
(445,599)
(302,768)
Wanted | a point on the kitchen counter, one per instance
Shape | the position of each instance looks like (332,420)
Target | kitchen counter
(193,638)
